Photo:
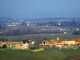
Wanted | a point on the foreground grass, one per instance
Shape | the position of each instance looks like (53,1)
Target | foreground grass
(64,37)
(46,54)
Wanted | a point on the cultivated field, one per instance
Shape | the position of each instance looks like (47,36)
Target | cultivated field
(64,37)
(39,37)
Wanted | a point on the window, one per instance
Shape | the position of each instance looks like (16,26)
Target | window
(20,45)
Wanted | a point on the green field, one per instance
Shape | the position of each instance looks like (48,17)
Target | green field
(46,54)
(22,37)
(64,37)
(36,37)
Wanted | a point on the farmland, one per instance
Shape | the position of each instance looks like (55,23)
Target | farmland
(38,37)
(64,37)
(46,54)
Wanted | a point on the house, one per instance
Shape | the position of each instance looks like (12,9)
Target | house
(8,43)
(27,43)
(70,41)
(48,43)
(31,42)
(59,43)
(64,42)
(25,46)
(44,42)
(11,44)
(77,41)
(1,44)
(57,38)
(17,45)
(51,43)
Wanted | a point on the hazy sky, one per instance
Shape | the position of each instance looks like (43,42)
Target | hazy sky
(39,8)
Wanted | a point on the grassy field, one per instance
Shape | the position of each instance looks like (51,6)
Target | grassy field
(24,37)
(36,37)
(64,37)
(46,54)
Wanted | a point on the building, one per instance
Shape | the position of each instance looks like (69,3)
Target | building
(77,41)
(28,24)
(64,42)
(48,43)
(24,44)
(33,25)
(1,44)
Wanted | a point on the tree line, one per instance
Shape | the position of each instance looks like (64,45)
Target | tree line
(76,32)
(73,23)
(18,32)
(3,40)
(2,27)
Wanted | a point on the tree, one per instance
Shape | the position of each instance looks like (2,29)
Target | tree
(16,32)
(76,32)
(4,46)
(3,40)
(38,23)
(23,24)
(45,39)
(41,24)
(36,45)
(0,27)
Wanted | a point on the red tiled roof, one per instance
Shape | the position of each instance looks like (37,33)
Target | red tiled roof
(78,39)
(30,41)
(7,41)
(62,40)
(12,42)
(50,41)
(70,40)
(59,41)
(1,42)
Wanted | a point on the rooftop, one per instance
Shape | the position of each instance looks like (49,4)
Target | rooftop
(78,39)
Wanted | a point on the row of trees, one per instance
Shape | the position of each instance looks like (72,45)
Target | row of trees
(25,32)
(2,27)
(18,32)
(3,40)
(76,32)
(73,23)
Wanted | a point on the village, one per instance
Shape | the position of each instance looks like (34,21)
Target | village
(30,45)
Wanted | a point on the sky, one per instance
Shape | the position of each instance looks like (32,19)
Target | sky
(30,9)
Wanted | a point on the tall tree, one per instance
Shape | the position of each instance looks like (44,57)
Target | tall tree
(0,27)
